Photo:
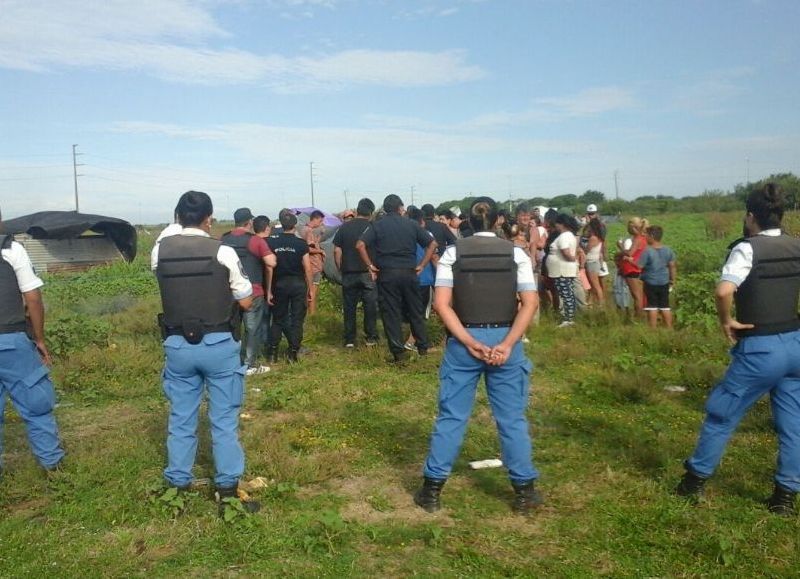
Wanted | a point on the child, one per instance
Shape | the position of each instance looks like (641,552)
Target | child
(658,274)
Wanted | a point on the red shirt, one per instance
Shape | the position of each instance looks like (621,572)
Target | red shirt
(258,247)
(629,268)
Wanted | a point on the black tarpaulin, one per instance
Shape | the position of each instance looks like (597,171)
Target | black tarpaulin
(69,225)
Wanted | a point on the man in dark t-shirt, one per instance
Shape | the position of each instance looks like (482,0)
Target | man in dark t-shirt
(291,281)
(357,283)
(394,240)
(441,233)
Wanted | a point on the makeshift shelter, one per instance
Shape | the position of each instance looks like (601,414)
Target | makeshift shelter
(69,241)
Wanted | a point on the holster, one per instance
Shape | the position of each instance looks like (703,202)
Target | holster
(193,330)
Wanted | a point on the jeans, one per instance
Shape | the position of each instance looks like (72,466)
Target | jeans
(359,287)
(398,296)
(253,319)
(214,362)
(759,365)
(507,387)
(289,312)
(25,378)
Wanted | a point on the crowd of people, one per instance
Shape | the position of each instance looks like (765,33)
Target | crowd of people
(488,270)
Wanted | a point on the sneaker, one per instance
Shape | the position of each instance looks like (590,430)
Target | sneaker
(371,343)
(565,325)
(350,345)
(526,340)
(253,370)
(410,346)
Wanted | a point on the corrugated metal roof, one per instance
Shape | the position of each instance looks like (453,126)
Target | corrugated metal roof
(49,255)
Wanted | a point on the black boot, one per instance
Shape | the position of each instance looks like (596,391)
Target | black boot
(427,497)
(292,356)
(691,485)
(233,493)
(526,498)
(782,501)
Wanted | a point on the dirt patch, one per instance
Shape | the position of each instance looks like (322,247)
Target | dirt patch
(28,509)
(380,500)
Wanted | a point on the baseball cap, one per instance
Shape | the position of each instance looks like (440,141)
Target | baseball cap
(591,208)
(242,215)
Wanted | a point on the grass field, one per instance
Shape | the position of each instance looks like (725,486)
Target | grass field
(341,438)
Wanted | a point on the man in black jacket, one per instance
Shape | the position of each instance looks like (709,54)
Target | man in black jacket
(394,241)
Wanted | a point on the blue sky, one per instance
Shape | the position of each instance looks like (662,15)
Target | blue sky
(515,98)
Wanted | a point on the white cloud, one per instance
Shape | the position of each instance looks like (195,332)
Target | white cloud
(175,41)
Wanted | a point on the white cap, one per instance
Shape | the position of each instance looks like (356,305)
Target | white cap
(591,208)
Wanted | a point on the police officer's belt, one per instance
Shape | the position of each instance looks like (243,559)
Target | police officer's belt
(490,325)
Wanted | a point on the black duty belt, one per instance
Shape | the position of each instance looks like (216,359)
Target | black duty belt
(13,328)
(179,330)
(489,325)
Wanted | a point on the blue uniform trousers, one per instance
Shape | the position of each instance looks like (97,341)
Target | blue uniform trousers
(507,387)
(760,365)
(25,378)
(214,362)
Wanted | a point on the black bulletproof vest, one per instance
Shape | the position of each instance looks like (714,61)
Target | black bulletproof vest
(12,308)
(485,280)
(768,297)
(253,266)
(194,285)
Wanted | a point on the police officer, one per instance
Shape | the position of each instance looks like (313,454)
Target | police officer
(24,360)
(394,240)
(477,282)
(762,276)
(291,292)
(201,282)
(357,284)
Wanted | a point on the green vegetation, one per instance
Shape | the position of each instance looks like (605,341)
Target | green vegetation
(649,205)
(340,438)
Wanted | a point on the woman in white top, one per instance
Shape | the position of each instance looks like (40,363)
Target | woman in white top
(562,268)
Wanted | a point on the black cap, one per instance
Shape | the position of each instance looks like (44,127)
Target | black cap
(242,215)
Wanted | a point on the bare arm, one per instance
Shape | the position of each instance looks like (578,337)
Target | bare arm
(723,298)
(530,303)
(442,303)
(33,299)
(246,303)
(427,257)
(673,272)
(308,274)
(337,257)
(361,247)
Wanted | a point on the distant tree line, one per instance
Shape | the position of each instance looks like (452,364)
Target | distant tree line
(709,200)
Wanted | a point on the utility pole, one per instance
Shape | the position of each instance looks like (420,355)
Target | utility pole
(346,200)
(616,183)
(311,174)
(412,195)
(75,175)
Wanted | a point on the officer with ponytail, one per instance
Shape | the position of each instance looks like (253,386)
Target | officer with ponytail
(762,277)
(477,284)
(202,288)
